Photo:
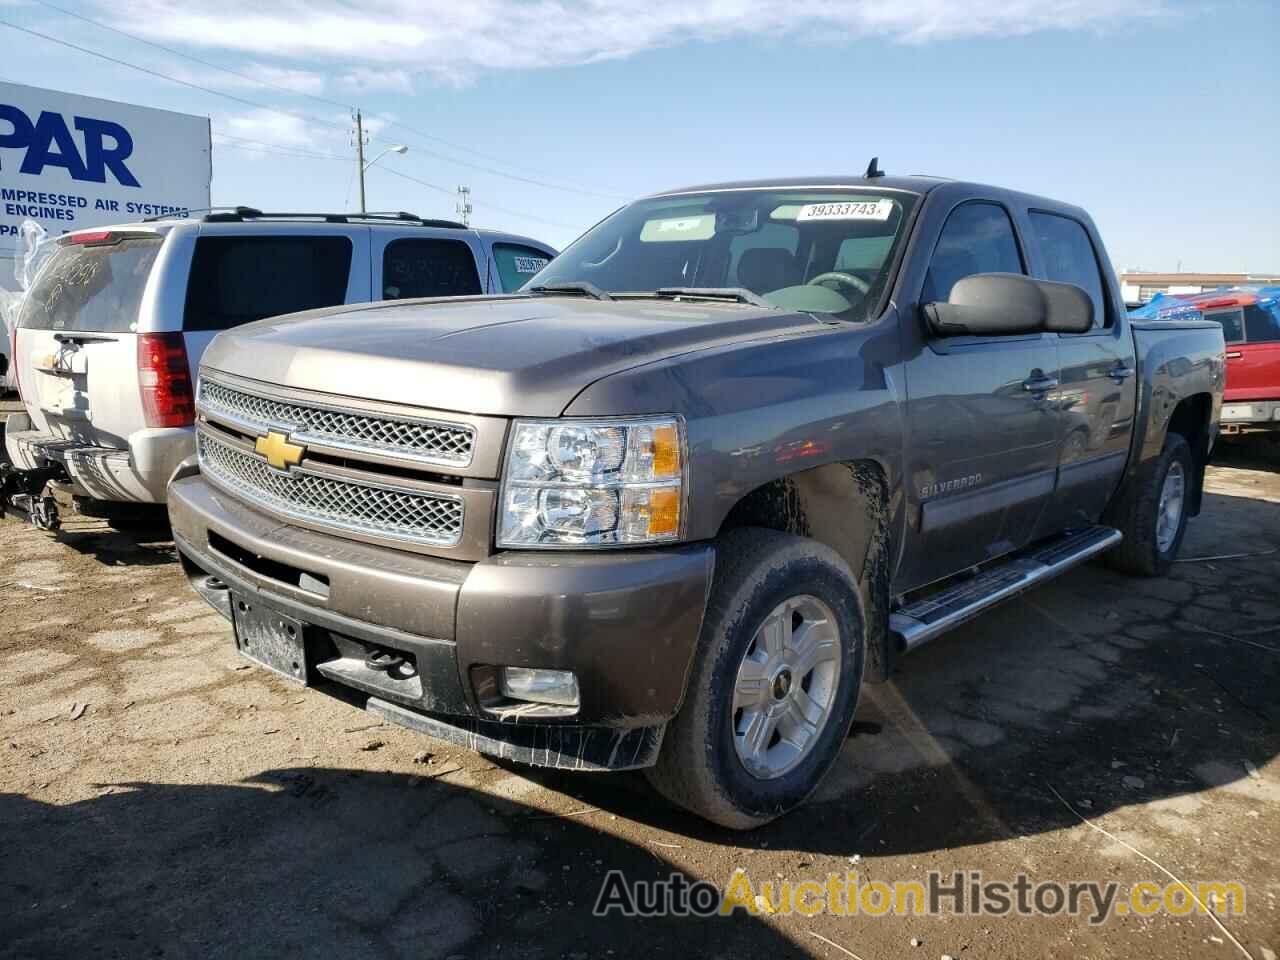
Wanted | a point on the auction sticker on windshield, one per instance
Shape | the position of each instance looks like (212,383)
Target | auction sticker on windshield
(847,210)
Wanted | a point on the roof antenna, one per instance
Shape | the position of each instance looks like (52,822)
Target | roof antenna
(873,169)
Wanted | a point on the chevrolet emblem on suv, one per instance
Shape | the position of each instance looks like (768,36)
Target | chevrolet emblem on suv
(280,453)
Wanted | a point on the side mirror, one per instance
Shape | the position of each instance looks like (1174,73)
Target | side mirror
(1005,304)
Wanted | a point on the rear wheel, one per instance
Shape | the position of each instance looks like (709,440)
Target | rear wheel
(1153,516)
(774,686)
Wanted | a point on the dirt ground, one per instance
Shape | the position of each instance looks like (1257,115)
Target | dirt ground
(161,798)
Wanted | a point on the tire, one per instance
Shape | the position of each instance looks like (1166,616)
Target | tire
(700,766)
(1146,550)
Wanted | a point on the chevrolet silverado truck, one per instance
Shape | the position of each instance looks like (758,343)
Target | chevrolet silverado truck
(714,467)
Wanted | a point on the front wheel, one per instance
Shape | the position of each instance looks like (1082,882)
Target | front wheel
(774,685)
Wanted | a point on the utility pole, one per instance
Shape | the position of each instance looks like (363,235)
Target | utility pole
(464,205)
(360,155)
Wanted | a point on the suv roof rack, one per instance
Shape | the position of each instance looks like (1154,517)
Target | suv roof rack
(240,214)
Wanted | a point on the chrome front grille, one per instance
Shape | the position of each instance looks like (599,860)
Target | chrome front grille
(404,438)
(380,510)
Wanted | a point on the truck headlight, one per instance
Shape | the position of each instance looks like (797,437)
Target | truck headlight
(583,483)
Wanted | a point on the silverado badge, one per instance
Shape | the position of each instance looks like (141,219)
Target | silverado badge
(280,453)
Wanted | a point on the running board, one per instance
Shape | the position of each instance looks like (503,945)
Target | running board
(922,620)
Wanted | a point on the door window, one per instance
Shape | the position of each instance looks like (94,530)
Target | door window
(1260,324)
(977,238)
(237,280)
(428,267)
(1232,322)
(1069,258)
(517,264)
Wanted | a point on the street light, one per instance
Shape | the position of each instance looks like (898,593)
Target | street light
(399,148)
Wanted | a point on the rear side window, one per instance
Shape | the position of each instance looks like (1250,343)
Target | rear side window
(428,267)
(1232,322)
(92,288)
(517,264)
(1069,258)
(1260,324)
(237,280)
(977,238)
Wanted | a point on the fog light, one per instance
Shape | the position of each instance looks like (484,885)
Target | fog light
(540,686)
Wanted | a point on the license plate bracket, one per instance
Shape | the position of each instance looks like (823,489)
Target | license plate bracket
(269,638)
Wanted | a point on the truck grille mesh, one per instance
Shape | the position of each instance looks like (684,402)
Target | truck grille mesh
(427,442)
(343,505)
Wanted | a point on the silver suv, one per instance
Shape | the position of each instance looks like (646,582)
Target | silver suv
(111,333)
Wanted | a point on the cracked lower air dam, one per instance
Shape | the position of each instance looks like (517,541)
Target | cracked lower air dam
(560,746)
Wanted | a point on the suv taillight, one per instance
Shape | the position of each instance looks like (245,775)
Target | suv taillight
(13,359)
(168,399)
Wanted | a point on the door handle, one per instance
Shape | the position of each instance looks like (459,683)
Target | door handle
(1120,373)
(1234,355)
(1039,384)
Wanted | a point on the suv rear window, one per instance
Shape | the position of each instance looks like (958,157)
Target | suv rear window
(428,267)
(91,288)
(517,264)
(237,280)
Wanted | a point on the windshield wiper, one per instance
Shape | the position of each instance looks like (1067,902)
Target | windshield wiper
(737,294)
(572,286)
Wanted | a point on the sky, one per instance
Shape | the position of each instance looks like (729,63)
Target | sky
(1157,116)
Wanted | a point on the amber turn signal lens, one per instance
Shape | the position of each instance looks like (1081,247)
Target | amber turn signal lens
(666,452)
(664,512)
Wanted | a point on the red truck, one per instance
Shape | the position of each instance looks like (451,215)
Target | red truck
(1250,319)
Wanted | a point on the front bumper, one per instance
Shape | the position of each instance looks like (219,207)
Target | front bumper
(625,622)
(137,474)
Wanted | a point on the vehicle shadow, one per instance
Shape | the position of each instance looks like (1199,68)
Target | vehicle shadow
(1254,452)
(327,862)
(1114,691)
(134,535)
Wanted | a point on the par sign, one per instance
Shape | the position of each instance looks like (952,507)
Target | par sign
(69,162)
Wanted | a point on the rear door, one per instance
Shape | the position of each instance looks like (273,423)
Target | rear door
(77,335)
(1097,394)
(240,274)
(1252,333)
(426,263)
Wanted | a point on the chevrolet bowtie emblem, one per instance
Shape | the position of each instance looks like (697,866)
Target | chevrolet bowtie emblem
(280,453)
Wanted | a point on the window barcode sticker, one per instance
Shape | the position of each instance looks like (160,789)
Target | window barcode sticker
(529,264)
(847,210)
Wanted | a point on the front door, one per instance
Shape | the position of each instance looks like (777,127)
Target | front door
(982,420)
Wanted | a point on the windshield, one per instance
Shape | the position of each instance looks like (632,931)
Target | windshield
(827,251)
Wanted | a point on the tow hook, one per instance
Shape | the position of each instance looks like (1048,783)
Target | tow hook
(41,511)
(23,497)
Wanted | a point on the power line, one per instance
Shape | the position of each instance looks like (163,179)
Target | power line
(164,76)
(259,146)
(206,63)
(510,176)
(483,203)
(287,113)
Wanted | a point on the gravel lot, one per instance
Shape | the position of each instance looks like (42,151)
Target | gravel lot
(159,797)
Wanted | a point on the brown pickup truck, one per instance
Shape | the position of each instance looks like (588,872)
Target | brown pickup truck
(716,466)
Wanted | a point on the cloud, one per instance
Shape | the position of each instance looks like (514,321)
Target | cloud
(369,79)
(386,41)
(269,127)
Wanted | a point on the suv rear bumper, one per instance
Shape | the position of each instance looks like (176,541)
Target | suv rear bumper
(625,622)
(138,474)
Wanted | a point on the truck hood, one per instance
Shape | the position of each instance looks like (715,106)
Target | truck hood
(508,356)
